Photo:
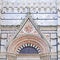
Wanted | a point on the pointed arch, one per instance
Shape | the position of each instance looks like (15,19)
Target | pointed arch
(29,38)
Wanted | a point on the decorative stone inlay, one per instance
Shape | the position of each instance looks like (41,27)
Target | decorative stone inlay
(28,28)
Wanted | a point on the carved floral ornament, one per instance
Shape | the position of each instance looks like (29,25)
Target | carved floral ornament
(28,27)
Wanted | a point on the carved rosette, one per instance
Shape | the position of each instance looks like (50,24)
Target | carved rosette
(28,28)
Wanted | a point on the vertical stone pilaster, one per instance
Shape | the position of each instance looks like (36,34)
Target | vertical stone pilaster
(58,25)
(0,11)
(1,3)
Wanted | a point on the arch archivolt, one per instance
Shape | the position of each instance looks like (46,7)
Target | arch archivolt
(29,42)
(28,39)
